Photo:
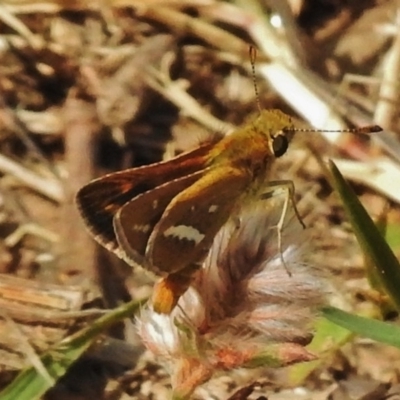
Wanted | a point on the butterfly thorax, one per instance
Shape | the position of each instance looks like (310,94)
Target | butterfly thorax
(251,146)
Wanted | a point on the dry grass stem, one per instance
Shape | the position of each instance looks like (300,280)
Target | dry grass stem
(47,187)
(387,105)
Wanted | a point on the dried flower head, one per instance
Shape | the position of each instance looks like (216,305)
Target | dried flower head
(243,308)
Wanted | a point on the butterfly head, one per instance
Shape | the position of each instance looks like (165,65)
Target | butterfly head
(278,127)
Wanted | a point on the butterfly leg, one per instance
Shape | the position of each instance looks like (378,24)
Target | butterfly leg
(287,186)
(274,188)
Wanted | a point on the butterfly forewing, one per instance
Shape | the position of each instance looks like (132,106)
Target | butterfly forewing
(188,226)
(135,221)
(101,199)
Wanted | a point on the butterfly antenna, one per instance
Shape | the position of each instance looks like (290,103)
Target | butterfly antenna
(363,130)
(253,56)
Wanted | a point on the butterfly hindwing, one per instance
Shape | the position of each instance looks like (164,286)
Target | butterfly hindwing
(135,221)
(101,199)
(186,231)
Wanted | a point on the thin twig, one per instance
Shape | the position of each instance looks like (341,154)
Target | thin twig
(50,188)
(187,104)
(387,105)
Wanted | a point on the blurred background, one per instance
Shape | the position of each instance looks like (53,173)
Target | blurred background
(92,87)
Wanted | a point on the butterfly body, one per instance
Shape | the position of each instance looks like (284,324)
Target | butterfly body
(165,216)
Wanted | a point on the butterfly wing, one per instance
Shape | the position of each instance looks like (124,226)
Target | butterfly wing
(101,199)
(186,231)
(136,219)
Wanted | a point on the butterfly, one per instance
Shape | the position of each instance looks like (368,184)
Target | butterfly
(164,216)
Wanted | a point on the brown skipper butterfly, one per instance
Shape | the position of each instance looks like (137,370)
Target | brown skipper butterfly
(164,216)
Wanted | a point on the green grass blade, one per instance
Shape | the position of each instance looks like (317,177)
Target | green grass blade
(380,331)
(371,241)
(30,385)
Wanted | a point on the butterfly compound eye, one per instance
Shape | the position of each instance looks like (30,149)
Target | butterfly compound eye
(279,145)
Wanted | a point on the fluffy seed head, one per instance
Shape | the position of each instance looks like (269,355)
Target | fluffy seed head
(243,309)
